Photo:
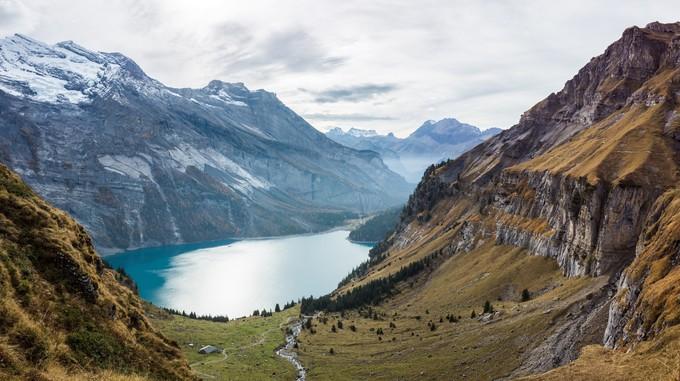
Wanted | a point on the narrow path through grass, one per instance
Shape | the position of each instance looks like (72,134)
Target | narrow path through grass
(248,345)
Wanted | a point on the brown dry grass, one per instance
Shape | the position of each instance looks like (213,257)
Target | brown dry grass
(654,360)
(62,312)
(628,146)
(468,349)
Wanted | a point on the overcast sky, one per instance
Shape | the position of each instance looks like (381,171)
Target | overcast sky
(384,65)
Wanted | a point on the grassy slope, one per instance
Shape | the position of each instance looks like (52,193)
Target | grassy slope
(468,349)
(63,314)
(627,147)
(249,345)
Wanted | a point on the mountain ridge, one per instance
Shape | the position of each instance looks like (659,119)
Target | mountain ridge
(141,164)
(587,179)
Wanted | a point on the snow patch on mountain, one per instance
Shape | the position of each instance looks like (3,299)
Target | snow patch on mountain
(54,74)
(359,133)
(223,96)
(185,156)
(131,166)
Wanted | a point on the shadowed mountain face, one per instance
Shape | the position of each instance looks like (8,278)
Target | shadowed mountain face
(589,179)
(139,163)
(430,143)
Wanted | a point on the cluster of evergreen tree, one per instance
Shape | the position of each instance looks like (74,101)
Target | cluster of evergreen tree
(277,308)
(193,315)
(526,295)
(378,227)
(355,273)
(263,313)
(372,292)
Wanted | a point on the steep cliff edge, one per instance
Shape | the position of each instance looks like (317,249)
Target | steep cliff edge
(63,314)
(589,177)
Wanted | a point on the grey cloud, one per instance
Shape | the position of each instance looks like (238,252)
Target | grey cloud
(9,10)
(352,93)
(515,55)
(14,16)
(328,117)
(289,51)
(297,50)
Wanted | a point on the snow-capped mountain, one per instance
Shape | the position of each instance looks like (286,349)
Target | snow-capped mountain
(66,72)
(359,133)
(431,143)
(139,163)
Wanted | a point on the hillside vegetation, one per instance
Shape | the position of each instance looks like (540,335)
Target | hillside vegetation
(586,181)
(377,227)
(63,314)
(425,329)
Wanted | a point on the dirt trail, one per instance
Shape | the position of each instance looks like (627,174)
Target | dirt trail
(259,341)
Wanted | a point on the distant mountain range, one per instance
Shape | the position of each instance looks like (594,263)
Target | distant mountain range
(430,143)
(139,163)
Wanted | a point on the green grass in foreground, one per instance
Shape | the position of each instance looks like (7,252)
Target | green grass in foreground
(249,345)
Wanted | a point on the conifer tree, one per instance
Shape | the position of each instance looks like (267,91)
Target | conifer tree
(525,295)
(488,308)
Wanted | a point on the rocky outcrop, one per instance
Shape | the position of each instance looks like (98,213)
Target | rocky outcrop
(590,229)
(139,163)
(582,324)
(649,290)
(606,84)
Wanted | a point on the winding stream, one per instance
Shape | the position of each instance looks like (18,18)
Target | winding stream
(286,352)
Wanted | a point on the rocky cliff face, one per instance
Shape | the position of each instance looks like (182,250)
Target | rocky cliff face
(139,163)
(589,176)
(63,313)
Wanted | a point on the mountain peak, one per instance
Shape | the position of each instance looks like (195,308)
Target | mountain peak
(361,133)
(449,129)
(63,73)
(353,132)
(219,84)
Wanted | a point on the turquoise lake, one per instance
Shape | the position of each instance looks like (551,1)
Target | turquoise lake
(236,277)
